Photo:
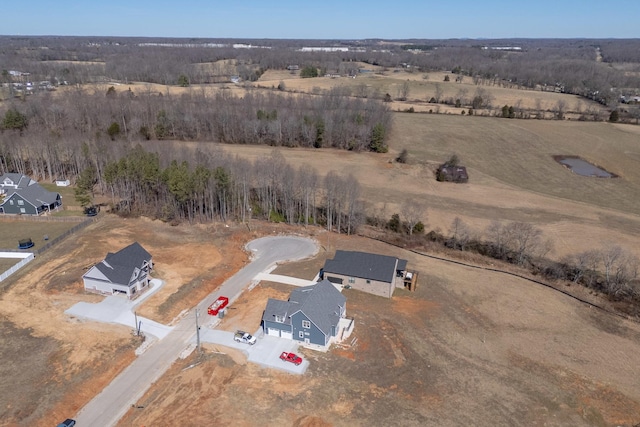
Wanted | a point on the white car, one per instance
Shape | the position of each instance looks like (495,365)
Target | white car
(244,337)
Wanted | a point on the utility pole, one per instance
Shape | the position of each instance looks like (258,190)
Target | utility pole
(197,331)
(137,328)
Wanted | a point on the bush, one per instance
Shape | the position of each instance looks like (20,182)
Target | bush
(402,158)
(14,119)
(308,72)
(614,116)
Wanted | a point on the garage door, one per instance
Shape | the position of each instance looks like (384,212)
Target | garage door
(287,335)
(273,332)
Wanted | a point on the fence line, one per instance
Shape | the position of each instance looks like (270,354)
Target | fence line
(42,218)
(17,267)
(42,249)
(70,231)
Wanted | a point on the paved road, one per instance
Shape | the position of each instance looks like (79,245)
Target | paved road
(128,387)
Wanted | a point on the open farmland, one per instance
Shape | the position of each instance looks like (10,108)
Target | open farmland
(513,176)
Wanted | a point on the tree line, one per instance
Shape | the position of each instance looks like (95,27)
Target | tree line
(610,270)
(572,65)
(217,186)
(47,136)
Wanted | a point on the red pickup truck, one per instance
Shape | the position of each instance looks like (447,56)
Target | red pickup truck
(291,357)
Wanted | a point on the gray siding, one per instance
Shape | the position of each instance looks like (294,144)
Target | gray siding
(314,334)
(14,208)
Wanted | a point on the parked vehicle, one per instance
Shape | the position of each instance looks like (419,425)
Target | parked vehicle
(291,357)
(25,244)
(244,337)
(91,211)
(67,423)
(218,305)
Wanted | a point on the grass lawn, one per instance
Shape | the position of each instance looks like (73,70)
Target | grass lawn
(13,230)
(7,263)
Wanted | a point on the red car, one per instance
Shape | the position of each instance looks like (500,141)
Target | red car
(291,357)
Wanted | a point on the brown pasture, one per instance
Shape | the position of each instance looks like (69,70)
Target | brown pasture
(513,176)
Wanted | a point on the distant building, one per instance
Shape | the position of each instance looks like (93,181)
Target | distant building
(24,196)
(452,174)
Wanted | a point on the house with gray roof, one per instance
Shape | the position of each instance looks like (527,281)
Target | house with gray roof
(313,314)
(24,196)
(372,273)
(125,272)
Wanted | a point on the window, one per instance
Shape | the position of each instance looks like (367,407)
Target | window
(22,210)
(306,324)
(20,202)
(11,202)
(301,334)
(352,280)
(368,282)
(279,319)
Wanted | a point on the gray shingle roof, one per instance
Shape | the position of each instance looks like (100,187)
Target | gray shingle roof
(21,180)
(276,307)
(119,267)
(36,195)
(321,303)
(363,265)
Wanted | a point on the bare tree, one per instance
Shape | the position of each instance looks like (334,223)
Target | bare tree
(583,266)
(460,234)
(524,240)
(620,268)
(413,211)
(561,107)
(403,91)
(438,92)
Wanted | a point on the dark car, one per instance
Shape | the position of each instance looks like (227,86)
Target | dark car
(67,423)
(91,211)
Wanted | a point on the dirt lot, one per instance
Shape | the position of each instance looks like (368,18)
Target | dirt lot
(468,348)
(51,365)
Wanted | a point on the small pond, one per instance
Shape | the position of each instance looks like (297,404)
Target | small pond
(583,168)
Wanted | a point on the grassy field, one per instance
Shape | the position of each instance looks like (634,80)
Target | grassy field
(519,153)
(13,230)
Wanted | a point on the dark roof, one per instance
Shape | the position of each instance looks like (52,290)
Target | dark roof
(276,307)
(37,196)
(363,265)
(320,303)
(119,266)
(21,180)
(454,173)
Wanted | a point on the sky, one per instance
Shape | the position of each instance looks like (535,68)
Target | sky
(324,19)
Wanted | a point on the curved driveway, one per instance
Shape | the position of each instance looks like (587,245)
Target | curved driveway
(125,390)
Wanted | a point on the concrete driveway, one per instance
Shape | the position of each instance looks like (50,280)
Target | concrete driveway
(118,309)
(132,383)
(265,352)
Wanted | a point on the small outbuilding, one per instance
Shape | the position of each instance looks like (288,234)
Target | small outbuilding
(449,173)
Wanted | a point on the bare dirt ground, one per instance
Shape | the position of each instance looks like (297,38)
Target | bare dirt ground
(468,348)
(52,364)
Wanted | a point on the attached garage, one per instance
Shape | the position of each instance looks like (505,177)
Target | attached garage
(285,334)
(273,332)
